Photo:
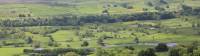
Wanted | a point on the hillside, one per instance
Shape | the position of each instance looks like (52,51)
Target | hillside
(99,27)
(45,8)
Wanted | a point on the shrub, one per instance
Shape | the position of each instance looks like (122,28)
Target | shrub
(85,43)
(177,52)
(161,47)
(147,52)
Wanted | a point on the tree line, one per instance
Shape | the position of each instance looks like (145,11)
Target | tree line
(79,20)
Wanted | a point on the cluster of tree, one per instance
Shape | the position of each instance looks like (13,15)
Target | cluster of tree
(188,10)
(14,44)
(24,15)
(162,47)
(79,20)
(185,50)
(147,52)
(40,30)
(58,51)
(114,52)
(182,50)
(126,5)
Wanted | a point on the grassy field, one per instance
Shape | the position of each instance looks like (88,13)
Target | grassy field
(12,51)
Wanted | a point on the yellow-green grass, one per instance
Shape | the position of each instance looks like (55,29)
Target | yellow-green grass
(160,37)
(64,35)
(176,23)
(11,51)
(38,37)
(34,9)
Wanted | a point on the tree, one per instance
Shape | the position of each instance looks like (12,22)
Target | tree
(51,38)
(50,43)
(196,53)
(22,15)
(136,40)
(29,40)
(4,43)
(150,4)
(159,8)
(186,7)
(178,51)
(85,44)
(192,47)
(145,9)
(130,7)
(101,52)
(163,2)
(147,52)
(130,48)
(198,33)
(187,10)
(161,47)
(125,5)
(105,12)
(36,45)
(100,42)
(115,5)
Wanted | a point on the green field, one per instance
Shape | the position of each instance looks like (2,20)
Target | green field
(116,33)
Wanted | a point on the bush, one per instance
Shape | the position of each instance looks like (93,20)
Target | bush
(130,47)
(27,51)
(147,52)
(161,47)
(150,4)
(177,52)
(85,44)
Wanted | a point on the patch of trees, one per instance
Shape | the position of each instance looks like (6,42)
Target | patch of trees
(79,20)
(29,40)
(147,52)
(126,5)
(84,44)
(100,42)
(59,4)
(185,50)
(58,51)
(14,44)
(114,52)
(150,4)
(159,8)
(41,30)
(162,47)
(188,10)
(163,1)
(24,15)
